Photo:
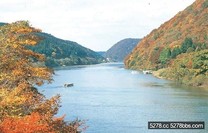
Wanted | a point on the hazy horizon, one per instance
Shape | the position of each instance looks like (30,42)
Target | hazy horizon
(94,24)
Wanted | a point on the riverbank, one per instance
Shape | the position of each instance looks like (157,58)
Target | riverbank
(194,82)
(158,73)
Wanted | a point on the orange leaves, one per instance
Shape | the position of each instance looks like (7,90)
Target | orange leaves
(59,118)
(27,39)
(190,64)
(39,83)
(189,23)
(15,45)
(16,60)
(28,124)
(30,42)
(23,30)
(36,123)
(22,108)
(42,72)
(21,27)
(174,44)
(19,33)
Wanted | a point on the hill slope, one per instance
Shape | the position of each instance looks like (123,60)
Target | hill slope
(181,38)
(62,52)
(2,24)
(102,53)
(121,49)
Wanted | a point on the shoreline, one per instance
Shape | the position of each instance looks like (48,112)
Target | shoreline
(158,72)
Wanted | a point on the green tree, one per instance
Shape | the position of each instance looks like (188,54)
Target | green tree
(165,55)
(188,42)
(176,51)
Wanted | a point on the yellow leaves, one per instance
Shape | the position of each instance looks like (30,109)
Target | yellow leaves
(32,42)
(16,60)
(18,101)
(20,33)
(42,72)
(12,97)
(22,108)
(13,100)
(3,93)
(21,27)
(15,45)
(50,106)
(23,30)
(17,72)
(30,53)
(28,42)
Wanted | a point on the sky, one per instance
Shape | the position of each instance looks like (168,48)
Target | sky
(95,24)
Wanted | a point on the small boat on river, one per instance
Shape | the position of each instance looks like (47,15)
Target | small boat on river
(68,85)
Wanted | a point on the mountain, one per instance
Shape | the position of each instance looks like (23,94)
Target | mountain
(102,53)
(60,52)
(180,45)
(2,24)
(121,49)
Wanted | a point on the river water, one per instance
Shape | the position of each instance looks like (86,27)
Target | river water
(115,100)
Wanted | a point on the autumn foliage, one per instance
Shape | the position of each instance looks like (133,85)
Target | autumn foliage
(178,48)
(22,108)
(32,123)
(189,23)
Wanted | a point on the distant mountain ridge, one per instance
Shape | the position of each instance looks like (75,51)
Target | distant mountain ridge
(121,49)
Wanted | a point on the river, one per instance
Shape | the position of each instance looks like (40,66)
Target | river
(115,100)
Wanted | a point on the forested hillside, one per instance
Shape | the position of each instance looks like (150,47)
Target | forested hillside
(60,52)
(102,53)
(1,24)
(121,49)
(180,44)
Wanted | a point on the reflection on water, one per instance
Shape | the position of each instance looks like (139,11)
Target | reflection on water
(116,100)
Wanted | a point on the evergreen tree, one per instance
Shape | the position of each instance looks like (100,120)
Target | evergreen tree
(188,42)
(175,52)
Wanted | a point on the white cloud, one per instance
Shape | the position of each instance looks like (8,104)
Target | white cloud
(96,24)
